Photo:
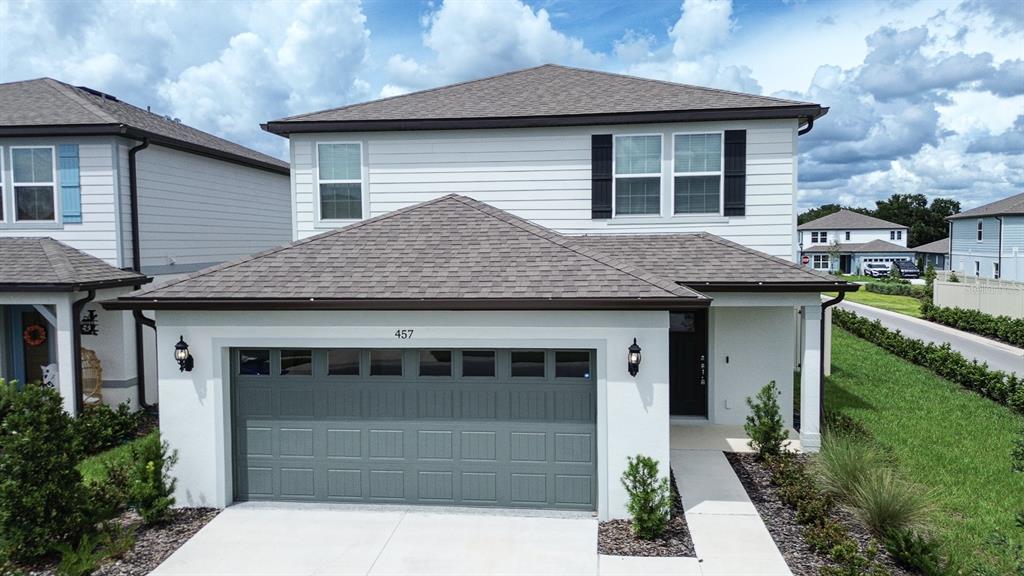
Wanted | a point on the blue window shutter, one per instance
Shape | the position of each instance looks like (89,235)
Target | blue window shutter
(70,185)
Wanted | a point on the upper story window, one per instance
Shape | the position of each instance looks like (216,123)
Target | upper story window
(819,237)
(32,178)
(895,234)
(340,178)
(697,173)
(981,230)
(637,175)
(847,235)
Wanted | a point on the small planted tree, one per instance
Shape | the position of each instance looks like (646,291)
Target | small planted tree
(764,424)
(650,497)
(151,491)
(929,276)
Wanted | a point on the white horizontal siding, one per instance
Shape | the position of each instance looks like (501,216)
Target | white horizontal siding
(543,174)
(96,234)
(856,237)
(198,210)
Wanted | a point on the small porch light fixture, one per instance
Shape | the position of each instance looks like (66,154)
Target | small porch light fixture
(182,355)
(633,358)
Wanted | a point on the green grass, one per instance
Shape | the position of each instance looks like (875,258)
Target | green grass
(93,468)
(944,438)
(903,304)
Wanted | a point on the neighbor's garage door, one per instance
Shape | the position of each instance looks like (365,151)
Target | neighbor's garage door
(460,427)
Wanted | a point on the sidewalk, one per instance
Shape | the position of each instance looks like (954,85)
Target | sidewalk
(727,531)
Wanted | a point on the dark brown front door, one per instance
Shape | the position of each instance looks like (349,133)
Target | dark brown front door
(688,359)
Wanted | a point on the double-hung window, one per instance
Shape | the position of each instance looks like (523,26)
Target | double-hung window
(33,182)
(697,173)
(340,177)
(819,237)
(821,261)
(637,175)
(981,230)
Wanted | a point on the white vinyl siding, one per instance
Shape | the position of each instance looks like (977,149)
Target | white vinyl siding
(543,174)
(34,183)
(697,184)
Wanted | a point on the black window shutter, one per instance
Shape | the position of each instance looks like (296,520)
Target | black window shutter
(735,173)
(600,176)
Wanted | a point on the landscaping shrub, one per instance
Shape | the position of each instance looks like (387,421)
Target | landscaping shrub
(650,498)
(916,552)
(100,428)
(838,423)
(844,464)
(151,488)
(929,277)
(1004,388)
(764,424)
(1017,455)
(1009,330)
(896,289)
(884,501)
(42,499)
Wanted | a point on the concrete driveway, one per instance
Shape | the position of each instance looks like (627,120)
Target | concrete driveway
(286,539)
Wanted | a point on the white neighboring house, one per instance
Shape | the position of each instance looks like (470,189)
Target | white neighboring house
(518,282)
(135,191)
(845,240)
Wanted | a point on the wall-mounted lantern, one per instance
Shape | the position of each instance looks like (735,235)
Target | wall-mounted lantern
(182,355)
(633,358)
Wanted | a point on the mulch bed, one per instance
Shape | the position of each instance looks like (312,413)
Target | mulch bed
(616,538)
(153,544)
(781,522)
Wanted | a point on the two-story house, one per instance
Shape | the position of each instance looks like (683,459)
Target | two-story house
(498,291)
(845,240)
(90,187)
(988,241)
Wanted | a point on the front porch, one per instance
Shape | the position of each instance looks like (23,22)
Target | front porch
(703,435)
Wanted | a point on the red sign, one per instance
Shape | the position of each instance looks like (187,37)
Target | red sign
(806,259)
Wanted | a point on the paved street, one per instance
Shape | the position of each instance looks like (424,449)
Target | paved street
(998,355)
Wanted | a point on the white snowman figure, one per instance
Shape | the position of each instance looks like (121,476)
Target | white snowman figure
(50,376)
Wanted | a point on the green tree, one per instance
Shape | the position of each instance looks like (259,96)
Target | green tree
(815,213)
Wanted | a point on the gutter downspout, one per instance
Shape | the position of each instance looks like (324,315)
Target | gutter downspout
(808,128)
(76,339)
(999,250)
(133,194)
(821,361)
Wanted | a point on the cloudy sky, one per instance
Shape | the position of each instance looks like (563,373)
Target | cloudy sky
(925,96)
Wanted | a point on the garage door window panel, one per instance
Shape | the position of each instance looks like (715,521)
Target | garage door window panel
(297,362)
(344,362)
(436,363)
(572,364)
(386,363)
(254,362)
(528,363)
(479,364)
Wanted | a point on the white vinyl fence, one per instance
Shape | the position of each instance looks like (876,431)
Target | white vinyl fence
(996,297)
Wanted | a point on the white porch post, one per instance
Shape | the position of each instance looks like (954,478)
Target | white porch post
(810,380)
(65,354)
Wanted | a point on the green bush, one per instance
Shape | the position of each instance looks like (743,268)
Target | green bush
(1004,388)
(650,498)
(896,289)
(844,463)
(884,501)
(916,552)
(764,423)
(100,428)
(1017,455)
(838,423)
(929,277)
(42,499)
(1009,330)
(151,488)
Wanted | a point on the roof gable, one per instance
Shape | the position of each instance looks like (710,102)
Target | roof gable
(45,263)
(547,91)
(34,106)
(849,220)
(1014,205)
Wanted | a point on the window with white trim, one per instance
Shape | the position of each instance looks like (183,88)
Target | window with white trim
(847,235)
(819,237)
(697,173)
(34,184)
(981,230)
(340,180)
(899,234)
(820,261)
(637,171)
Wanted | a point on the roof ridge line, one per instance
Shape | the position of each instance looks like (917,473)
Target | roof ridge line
(71,93)
(605,259)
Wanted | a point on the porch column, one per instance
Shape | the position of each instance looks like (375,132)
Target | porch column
(810,380)
(65,355)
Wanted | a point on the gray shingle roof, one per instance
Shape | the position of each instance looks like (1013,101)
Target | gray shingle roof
(32,106)
(937,247)
(700,260)
(1014,205)
(849,220)
(44,263)
(873,246)
(546,91)
(451,248)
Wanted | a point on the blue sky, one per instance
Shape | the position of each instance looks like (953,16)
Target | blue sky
(926,96)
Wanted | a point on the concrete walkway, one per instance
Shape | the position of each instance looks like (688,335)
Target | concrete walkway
(729,535)
(998,355)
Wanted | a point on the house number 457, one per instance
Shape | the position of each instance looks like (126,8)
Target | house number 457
(403,334)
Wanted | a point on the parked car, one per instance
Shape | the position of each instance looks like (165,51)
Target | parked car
(875,269)
(906,269)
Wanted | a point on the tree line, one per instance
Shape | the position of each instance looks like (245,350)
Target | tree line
(926,221)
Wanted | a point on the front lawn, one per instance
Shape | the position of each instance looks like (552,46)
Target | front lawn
(94,467)
(948,440)
(903,304)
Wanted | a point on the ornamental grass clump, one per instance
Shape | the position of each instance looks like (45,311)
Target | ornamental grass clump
(650,498)
(764,424)
(844,464)
(885,502)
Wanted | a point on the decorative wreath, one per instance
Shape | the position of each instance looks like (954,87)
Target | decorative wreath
(34,335)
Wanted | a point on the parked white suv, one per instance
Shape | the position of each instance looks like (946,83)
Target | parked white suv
(875,269)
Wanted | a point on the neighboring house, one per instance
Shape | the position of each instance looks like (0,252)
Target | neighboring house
(516,288)
(934,253)
(133,189)
(988,241)
(845,240)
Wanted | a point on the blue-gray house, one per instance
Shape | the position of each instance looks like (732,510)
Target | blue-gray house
(988,241)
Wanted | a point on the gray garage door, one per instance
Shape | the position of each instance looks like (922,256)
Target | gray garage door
(512,428)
